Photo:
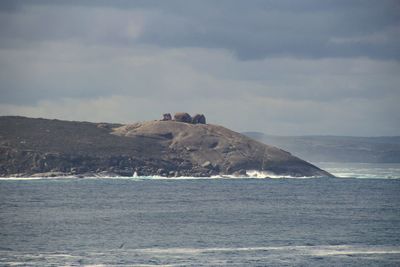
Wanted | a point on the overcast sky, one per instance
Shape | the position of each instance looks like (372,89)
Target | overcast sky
(279,67)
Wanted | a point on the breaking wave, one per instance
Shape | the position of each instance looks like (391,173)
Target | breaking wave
(178,256)
(340,170)
(362,170)
(252,175)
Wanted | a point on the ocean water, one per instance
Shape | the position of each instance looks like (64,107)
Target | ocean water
(203,222)
(362,170)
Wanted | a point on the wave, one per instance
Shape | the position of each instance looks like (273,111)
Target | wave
(265,174)
(216,177)
(327,250)
(250,174)
(362,170)
(143,178)
(355,171)
(346,175)
(174,256)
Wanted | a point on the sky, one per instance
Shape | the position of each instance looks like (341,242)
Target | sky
(279,67)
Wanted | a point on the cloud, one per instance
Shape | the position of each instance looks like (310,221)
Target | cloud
(278,95)
(91,26)
(255,30)
(269,115)
(281,67)
(251,30)
(62,69)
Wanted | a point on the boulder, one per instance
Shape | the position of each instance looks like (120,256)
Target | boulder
(206,164)
(183,117)
(167,117)
(161,172)
(199,118)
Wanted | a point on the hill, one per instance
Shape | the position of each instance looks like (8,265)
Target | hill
(42,147)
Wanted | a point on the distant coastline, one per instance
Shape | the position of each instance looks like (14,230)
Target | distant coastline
(385,149)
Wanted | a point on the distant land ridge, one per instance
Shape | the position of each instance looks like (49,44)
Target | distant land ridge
(166,147)
(383,149)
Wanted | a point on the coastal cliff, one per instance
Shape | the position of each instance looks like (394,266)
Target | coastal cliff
(42,147)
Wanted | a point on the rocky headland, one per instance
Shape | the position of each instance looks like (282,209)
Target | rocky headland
(170,147)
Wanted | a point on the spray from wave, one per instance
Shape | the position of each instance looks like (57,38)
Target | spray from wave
(340,170)
(362,170)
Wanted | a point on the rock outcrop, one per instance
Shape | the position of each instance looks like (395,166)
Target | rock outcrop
(40,147)
(167,117)
(183,117)
(199,119)
(186,118)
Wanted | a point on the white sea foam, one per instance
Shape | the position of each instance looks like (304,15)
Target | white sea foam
(250,175)
(175,256)
(362,170)
(20,178)
(332,250)
(322,250)
(340,170)
(265,174)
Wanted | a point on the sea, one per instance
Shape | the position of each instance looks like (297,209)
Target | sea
(351,220)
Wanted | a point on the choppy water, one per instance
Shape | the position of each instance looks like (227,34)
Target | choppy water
(188,222)
(362,170)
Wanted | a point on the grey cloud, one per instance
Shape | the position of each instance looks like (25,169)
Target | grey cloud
(279,29)
(348,117)
(317,67)
(61,70)
(92,26)
(326,80)
(250,29)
